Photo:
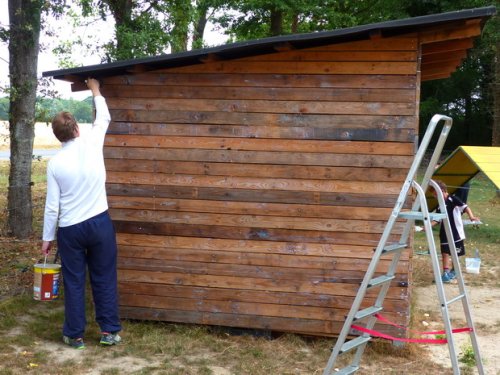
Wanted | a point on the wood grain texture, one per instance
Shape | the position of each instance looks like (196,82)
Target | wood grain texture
(252,192)
(255,170)
(314,250)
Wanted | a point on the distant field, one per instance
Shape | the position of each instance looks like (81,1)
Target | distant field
(44,138)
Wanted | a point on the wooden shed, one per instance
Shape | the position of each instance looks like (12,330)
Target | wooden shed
(249,183)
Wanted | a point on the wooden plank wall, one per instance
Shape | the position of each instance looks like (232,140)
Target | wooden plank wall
(252,192)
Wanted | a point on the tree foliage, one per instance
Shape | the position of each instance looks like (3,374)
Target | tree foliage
(47,108)
(149,28)
(4,109)
(254,19)
(466,96)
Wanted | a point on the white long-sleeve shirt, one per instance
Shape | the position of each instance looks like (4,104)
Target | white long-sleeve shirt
(76,177)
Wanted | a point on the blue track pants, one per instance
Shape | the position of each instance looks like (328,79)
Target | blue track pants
(92,244)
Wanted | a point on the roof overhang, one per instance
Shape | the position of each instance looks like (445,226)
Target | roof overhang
(444,38)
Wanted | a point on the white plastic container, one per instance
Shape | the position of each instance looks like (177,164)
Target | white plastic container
(472,265)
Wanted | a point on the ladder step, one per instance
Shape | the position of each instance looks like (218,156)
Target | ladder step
(457,298)
(394,247)
(380,280)
(351,369)
(354,343)
(418,215)
(369,311)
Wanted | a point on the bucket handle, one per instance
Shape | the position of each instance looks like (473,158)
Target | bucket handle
(45,261)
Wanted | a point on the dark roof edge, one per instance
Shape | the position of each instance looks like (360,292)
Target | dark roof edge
(187,57)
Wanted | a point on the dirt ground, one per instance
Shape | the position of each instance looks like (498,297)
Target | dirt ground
(485,306)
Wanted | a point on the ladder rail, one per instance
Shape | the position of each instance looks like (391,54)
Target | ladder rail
(460,280)
(436,154)
(437,271)
(431,128)
(419,204)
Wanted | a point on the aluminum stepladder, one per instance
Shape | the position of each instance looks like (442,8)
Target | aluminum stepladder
(419,211)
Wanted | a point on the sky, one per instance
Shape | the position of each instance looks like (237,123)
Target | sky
(99,31)
(47,60)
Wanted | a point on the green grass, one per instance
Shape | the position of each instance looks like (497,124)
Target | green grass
(158,347)
(38,175)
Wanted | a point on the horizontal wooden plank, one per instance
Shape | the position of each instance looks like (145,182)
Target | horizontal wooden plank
(447,46)
(246,144)
(263,106)
(429,76)
(266,93)
(398,43)
(442,58)
(303,67)
(313,327)
(231,295)
(310,250)
(253,283)
(245,233)
(253,195)
(336,56)
(228,182)
(244,80)
(283,273)
(261,157)
(440,69)
(304,326)
(249,208)
(446,64)
(321,132)
(437,70)
(350,122)
(241,263)
(252,221)
(439,33)
(244,308)
(253,170)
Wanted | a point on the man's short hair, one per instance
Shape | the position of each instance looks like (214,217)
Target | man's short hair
(64,126)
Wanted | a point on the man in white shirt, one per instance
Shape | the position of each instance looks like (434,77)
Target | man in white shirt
(76,208)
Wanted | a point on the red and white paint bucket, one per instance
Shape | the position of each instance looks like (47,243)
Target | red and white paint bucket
(46,281)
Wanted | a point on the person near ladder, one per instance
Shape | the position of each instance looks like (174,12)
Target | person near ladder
(77,203)
(454,209)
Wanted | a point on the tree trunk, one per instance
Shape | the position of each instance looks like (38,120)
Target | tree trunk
(122,13)
(199,25)
(181,11)
(23,60)
(276,22)
(467,122)
(295,23)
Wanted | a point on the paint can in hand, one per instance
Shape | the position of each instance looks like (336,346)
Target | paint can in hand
(46,281)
